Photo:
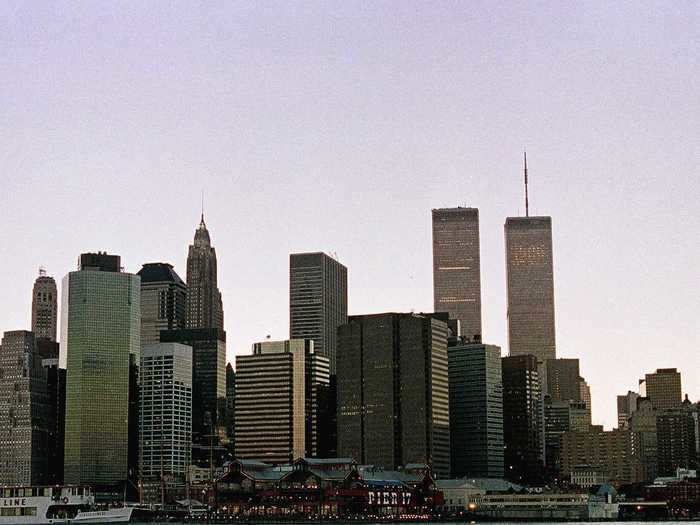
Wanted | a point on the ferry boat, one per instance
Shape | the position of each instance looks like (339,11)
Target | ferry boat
(39,505)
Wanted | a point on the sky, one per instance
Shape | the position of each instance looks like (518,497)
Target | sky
(337,126)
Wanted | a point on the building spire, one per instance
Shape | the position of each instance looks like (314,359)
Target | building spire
(527,204)
(202,220)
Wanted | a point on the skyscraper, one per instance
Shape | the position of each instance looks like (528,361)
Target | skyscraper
(663,387)
(626,406)
(276,400)
(457,266)
(165,411)
(318,301)
(24,412)
(393,401)
(204,306)
(44,307)
(530,287)
(208,380)
(476,408)
(563,378)
(676,438)
(163,301)
(101,328)
(523,435)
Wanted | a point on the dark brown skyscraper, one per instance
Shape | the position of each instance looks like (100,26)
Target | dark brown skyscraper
(522,419)
(204,306)
(530,282)
(318,300)
(457,267)
(393,405)
(44,307)
(664,388)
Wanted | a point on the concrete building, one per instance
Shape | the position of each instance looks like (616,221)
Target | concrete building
(318,301)
(24,412)
(393,401)
(208,381)
(457,266)
(476,409)
(626,405)
(615,452)
(642,422)
(676,439)
(44,307)
(277,408)
(204,306)
(530,287)
(561,417)
(163,301)
(523,419)
(100,346)
(663,387)
(165,411)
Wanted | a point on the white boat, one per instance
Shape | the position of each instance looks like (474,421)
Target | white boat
(39,505)
(115,515)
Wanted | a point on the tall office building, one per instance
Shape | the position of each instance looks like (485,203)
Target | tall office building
(563,379)
(457,266)
(24,412)
(476,409)
(204,306)
(100,346)
(676,438)
(318,301)
(663,387)
(165,411)
(230,405)
(208,380)
(626,406)
(44,307)
(276,400)
(523,438)
(642,421)
(530,287)
(393,400)
(48,352)
(163,301)
(560,417)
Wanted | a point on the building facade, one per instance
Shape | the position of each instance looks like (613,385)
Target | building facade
(24,412)
(614,452)
(393,398)
(476,409)
(165,411)
(208,380)
(277,405)
(663,387)
(530,287)
(48,352)
(523,433)
(676,438)
(626,406)
(101,329)
(163,301)
(457,266)
(642,422)
(318,301)
(561,417)
(44,307)
(204,305)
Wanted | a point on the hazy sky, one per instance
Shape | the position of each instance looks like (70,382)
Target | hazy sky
(337,126)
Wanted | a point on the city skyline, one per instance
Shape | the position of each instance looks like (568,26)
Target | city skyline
(443,124)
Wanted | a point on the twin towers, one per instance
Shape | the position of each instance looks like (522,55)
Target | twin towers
(529,277)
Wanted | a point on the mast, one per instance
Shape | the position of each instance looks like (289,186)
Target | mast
(527,204)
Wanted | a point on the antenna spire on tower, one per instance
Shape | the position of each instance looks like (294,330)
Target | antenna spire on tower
(202,206)
(527,204)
